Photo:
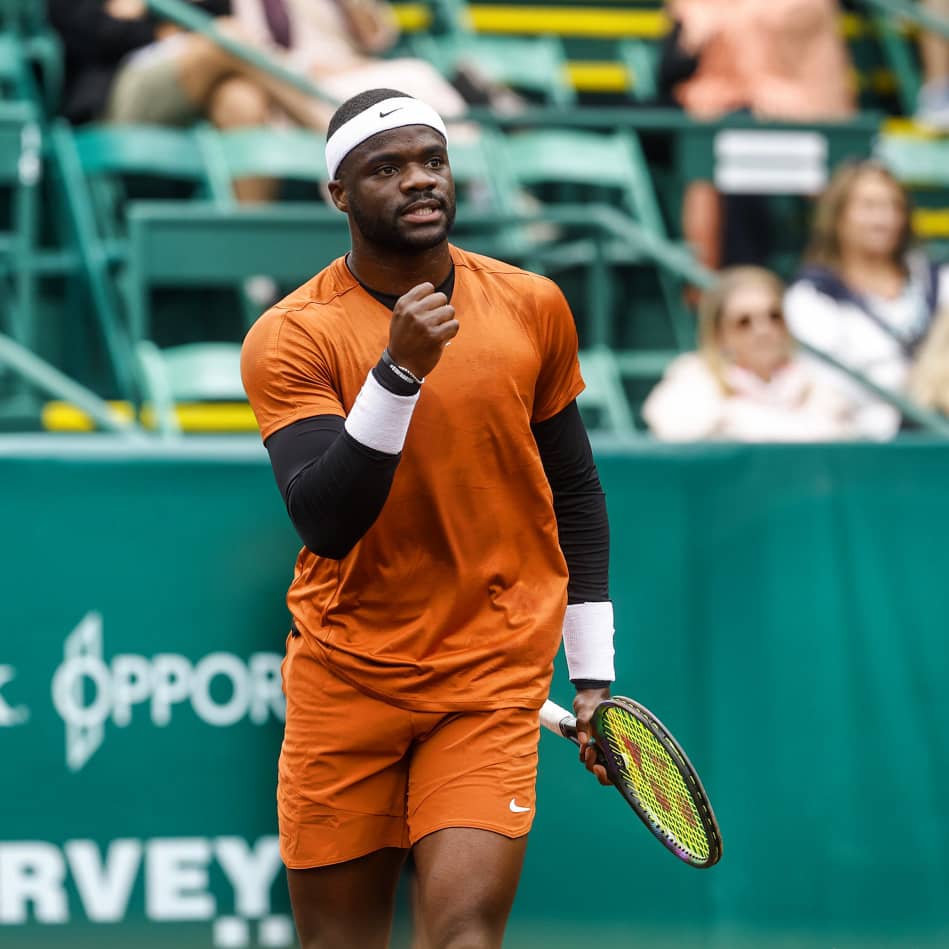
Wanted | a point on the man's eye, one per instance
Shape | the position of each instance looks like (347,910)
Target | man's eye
(386,170)
(436,162)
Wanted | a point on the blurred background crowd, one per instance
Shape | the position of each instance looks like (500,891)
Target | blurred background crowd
(742,200)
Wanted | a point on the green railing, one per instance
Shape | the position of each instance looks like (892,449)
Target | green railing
(914,13)
(48,379)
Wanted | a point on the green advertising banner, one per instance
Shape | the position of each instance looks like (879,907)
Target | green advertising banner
(782,609)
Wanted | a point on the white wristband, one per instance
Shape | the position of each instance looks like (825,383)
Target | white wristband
(588,641)
(379,418)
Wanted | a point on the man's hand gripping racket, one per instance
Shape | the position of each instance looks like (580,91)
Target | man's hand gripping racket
(650,769)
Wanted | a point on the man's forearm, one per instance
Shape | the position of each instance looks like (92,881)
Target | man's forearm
(335,474)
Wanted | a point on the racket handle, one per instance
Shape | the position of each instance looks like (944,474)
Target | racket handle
(559,721)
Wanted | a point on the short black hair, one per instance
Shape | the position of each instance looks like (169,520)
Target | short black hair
(359,103)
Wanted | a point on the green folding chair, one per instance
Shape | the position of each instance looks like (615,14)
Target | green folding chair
(603,403)
(191,244)
(287,154)
(534,65)
(102,169)
(21,165)
(598,168)
(26,40)
(641,59)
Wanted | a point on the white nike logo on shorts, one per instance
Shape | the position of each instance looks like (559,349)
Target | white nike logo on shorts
(516,808)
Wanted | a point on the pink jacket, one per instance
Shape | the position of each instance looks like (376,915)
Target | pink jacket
(782,59)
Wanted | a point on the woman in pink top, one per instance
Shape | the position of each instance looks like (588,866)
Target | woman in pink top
(746,383)
(782,60)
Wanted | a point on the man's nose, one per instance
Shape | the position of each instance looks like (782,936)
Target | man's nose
(418,177)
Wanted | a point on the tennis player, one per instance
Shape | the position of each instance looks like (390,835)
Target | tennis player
(418,403)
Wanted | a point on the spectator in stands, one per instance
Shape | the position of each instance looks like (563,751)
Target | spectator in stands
(929,377)
(746,383)
(339,44)
(123,66)
(865,296)
(778,59)
(933,105)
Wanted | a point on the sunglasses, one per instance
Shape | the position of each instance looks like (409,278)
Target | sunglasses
(744,321)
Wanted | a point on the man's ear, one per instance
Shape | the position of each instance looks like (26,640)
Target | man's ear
(338,195)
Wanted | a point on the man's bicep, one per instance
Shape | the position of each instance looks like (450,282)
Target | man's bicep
(287,376)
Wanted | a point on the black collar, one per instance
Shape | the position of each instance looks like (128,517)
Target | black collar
(447,286)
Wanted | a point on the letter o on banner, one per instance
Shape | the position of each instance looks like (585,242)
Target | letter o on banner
(68,692)
(208,669)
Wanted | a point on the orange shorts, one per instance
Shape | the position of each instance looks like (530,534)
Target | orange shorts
(358,774)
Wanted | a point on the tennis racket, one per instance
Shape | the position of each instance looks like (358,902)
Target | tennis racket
(651,771)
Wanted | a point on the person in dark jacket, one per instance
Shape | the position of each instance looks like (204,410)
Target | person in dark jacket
(101,40)
(124,65)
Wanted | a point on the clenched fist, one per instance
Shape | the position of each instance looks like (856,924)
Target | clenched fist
(423,323)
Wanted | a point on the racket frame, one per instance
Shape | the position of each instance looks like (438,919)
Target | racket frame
(560,721)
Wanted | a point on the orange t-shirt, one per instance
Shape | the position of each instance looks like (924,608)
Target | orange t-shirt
(455,597)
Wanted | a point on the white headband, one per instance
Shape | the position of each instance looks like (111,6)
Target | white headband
(383,116)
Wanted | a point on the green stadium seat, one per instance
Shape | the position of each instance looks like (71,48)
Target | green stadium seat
(921,163)
(97,166)
(20,173)
(288,154)
(533,65)
(605,168)
(191,374)
(31,43)
(641,59)
(205,244)
(604,397)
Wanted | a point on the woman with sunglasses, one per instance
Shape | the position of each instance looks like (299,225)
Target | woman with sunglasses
(746,383)
(865,295)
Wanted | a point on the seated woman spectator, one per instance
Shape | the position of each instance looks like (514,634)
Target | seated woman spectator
(865,296)
(340,44)
(780,60)
(746,383)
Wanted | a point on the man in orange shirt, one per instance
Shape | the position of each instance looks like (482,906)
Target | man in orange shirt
(418,405)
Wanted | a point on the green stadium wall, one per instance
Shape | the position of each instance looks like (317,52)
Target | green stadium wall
(783,610)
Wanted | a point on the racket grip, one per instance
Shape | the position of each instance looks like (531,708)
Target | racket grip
(559,720)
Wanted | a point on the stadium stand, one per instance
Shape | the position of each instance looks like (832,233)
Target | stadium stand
(108,220)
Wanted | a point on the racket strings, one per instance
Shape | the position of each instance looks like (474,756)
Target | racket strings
(651,776)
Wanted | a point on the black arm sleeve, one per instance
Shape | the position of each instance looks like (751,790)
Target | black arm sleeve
(579,504)
(334,487)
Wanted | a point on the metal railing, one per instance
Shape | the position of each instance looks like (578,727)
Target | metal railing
(31,368)
(903,9)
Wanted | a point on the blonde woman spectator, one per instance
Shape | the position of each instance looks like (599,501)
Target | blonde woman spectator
(746,383)
(866,296)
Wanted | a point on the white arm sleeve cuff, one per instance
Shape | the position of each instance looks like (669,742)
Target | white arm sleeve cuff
(588,641)
(379,419)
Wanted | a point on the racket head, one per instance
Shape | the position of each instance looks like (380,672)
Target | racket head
(650,769)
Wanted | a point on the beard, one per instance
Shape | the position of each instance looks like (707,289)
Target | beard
(391,233)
